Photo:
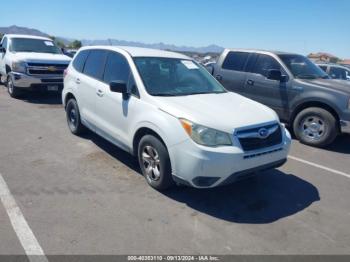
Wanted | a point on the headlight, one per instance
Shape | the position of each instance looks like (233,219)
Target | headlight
(206,136)
(19,66)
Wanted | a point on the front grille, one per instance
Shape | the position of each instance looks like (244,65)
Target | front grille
(52,80)
(46,69)
(45,72)
(250,139)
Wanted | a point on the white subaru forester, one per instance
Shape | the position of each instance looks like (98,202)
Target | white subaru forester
(167,110)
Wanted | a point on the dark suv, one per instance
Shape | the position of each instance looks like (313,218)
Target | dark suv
(315,106)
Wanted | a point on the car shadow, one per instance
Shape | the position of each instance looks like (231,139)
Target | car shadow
(42,98)
(266,198)
(340,145)
(114,151)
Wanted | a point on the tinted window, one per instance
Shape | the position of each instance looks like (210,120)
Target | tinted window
(4,43)
(324,68)
(117,68)
(79,61)
(251,62)
(337,73)
(94,64)
(235,61)
(265,63)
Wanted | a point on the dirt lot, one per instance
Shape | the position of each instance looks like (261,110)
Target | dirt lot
(85,196)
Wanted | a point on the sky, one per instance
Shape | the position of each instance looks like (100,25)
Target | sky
(300,26)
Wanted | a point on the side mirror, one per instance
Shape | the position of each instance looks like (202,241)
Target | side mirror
(275,74)
(119,87)
(2,49)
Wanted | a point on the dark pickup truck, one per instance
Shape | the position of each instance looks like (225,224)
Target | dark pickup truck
(316,107)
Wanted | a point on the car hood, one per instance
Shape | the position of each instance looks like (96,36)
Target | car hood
(340,85)
(41,57)
(225,111)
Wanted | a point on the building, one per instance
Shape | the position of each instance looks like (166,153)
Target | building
(323,57)
(345,62)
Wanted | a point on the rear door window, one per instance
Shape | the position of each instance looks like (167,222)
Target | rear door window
(94,64)
(265,63)
(235,61)
(79,61)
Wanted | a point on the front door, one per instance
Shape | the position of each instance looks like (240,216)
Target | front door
(271,93)
(115,110)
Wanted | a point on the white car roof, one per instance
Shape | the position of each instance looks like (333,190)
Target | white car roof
(27,36)
(141,52)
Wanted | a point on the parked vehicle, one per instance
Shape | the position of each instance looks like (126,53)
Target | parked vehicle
(336,71)
(304,97)
(210,67)
(167,110)
(31,63)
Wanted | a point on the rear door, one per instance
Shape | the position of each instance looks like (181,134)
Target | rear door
(88,83)
(231,74)
(272,93)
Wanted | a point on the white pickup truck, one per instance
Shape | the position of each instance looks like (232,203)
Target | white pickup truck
(31,63)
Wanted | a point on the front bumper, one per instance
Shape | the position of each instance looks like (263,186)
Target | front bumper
(205,167)
(36,83)
(345,126)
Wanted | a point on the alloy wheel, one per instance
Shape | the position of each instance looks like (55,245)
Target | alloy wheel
(151,163)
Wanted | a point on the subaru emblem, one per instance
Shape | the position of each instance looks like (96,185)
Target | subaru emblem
(263,133)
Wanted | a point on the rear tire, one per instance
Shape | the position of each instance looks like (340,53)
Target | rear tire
(73,118)
(13,91)
(155,163)
(315,126)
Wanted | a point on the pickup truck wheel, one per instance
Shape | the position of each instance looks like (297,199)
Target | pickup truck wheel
(73,118)
(11,89)
(315,127)
(155,163)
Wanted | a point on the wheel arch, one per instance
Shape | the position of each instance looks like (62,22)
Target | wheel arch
(8,69)
(141,132)
(308,104)
(68,96)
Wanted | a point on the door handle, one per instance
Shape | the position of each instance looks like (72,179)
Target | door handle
(77,81)
(219,77)
(99,92)
(250,82)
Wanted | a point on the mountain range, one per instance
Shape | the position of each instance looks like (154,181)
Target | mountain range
(30,31)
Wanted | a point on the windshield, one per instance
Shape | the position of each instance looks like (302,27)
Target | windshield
(175,77)
(34,45)
(301,67)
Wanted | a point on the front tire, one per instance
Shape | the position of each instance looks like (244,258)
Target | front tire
(73,118)
(315,126)
(155,163)
(11,88)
